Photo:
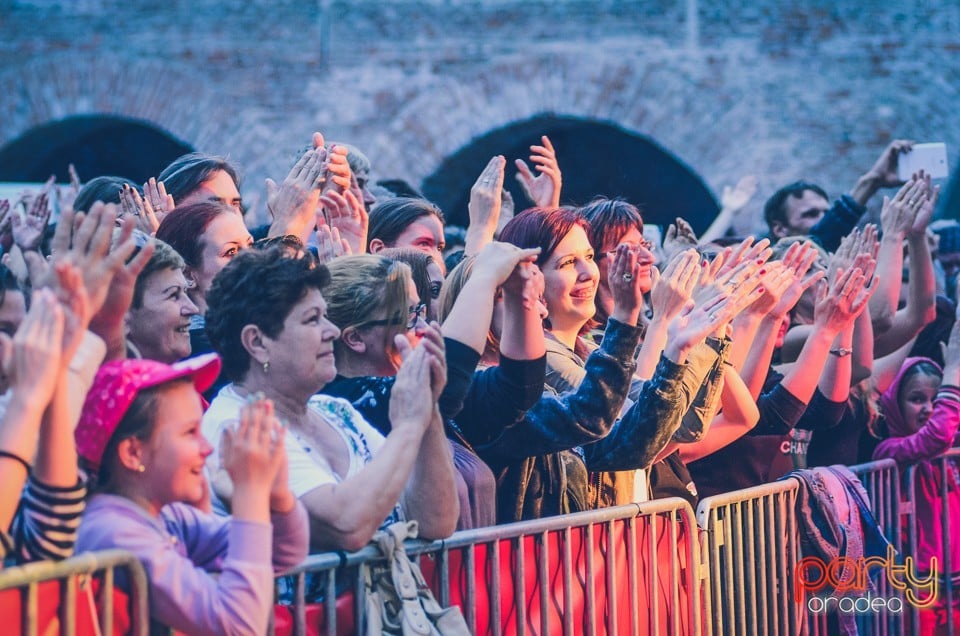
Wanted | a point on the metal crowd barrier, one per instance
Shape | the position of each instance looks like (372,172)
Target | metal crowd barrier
(881,480)
(635,569)
(948,467)
(626,570)
(749,546)
(74,575)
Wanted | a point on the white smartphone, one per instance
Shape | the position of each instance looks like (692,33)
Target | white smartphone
(931,158)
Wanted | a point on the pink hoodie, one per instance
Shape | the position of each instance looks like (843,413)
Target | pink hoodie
(908,447)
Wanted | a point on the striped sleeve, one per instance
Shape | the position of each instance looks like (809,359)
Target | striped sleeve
(46,523)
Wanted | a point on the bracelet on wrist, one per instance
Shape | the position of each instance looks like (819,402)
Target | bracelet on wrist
(18,459)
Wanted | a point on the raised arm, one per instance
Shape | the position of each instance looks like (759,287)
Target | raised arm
(484,206)
(846,211)
(838,304)
(32,361)
(469,319)
(922,288)
(670,295)
(544,188)
(739,415)
(896,220)
(431,493)
(731,202)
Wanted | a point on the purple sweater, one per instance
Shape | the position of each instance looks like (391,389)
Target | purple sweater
(181,549)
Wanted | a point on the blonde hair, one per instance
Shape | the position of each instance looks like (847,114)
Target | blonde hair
(453,284)
(418,262)
(364,288)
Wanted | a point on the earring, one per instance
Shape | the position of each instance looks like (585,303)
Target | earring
(141,468)
(266,366)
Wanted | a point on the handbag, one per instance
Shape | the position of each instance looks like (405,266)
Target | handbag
(397,598)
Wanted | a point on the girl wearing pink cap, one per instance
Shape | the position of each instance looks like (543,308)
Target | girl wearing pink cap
(140,435)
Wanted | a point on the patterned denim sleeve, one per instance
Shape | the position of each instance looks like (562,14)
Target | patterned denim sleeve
(646,428)
(705,381)
(585,414)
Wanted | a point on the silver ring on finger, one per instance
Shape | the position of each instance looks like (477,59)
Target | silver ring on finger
(627,278)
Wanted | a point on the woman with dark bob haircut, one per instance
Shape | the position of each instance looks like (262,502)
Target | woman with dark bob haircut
(268,319)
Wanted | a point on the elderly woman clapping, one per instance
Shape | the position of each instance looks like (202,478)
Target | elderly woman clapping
(267,319)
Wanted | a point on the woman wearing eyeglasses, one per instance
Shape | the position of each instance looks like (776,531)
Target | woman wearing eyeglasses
(269,321)
(373,300)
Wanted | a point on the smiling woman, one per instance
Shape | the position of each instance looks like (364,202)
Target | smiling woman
(207,235)
(268,318)
(158,321)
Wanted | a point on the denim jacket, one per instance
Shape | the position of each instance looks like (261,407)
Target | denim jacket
(651,416)
(538,461)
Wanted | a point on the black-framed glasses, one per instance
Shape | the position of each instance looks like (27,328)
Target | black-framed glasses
(416,314)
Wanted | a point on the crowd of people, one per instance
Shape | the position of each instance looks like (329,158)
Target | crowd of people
(224,399)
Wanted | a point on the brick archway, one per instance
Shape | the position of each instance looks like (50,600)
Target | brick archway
(655,99)
(596,158)
(95,144)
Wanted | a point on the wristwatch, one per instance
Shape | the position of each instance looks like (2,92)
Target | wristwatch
(841,351)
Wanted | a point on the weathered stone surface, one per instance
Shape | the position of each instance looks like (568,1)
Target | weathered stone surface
(780,89)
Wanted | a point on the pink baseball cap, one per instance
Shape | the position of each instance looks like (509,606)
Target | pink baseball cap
(116,386)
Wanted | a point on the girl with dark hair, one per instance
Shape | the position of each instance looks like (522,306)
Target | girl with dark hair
(196,177)
(406,222)
(427,275)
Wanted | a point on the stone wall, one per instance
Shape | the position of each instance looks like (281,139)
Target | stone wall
(779,89)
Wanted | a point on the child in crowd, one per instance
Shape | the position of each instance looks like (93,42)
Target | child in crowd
(920,416)
(139,435)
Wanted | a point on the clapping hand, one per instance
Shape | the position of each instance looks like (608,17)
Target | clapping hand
(486,199)
(411,399)
(900,211)
(139,209)
(672,290)
(625,285)
(679,236)
(345,216)
(735,198)
(496,261)
(28,232)
(155,193)
(253,452)
(32,359)
(544,188)
(841,299)
(66,196)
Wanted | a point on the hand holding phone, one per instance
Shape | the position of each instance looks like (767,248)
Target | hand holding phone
(929,157)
